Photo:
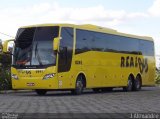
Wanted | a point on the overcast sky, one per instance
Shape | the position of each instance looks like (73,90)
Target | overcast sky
(141,17)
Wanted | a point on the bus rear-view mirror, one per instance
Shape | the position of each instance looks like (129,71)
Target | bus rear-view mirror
(7,46)
(56,43)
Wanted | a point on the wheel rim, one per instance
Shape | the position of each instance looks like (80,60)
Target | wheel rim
(79,85)
(138,83)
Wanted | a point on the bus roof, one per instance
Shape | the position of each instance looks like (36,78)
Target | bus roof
(94,28)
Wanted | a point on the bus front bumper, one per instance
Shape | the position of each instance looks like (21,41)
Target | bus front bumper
(35,83)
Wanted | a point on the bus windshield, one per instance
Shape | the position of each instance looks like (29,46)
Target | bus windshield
(34,46)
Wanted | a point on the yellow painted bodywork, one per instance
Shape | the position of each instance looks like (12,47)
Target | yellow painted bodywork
(35,77)
(104,69)
(101,69)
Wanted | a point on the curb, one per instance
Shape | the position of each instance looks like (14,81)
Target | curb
(15,91)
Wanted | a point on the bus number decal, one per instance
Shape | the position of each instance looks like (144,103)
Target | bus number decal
(142,64)
(78,62)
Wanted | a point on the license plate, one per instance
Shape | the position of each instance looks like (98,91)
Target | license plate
(30,84)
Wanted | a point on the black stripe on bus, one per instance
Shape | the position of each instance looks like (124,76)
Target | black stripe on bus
(113,51)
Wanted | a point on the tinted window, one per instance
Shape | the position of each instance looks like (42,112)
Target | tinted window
(89,40)
(146,47)
(84,39)
(66,50)
(25,37)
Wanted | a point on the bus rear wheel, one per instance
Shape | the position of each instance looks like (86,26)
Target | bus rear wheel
(137,83)
(129,86)
(79,86)
(41,92)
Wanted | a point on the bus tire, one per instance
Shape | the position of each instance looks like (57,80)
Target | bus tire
(137,83)
(41,92)
(129,86)
(79,86)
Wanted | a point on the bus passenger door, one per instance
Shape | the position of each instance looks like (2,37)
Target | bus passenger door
(65,57)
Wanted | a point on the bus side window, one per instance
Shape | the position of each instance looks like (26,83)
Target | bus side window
(65,49)
(63,55)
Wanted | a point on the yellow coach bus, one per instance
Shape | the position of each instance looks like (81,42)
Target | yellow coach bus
(74,57)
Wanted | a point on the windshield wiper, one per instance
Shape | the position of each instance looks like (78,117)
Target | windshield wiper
(37,54)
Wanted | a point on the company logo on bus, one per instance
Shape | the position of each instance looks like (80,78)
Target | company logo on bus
(141,63)
(24,71)
(29,71)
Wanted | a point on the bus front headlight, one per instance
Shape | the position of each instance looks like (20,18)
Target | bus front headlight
(48,76)
(14,76)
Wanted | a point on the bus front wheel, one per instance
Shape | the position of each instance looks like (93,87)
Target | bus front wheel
(79,86)
(41,92)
